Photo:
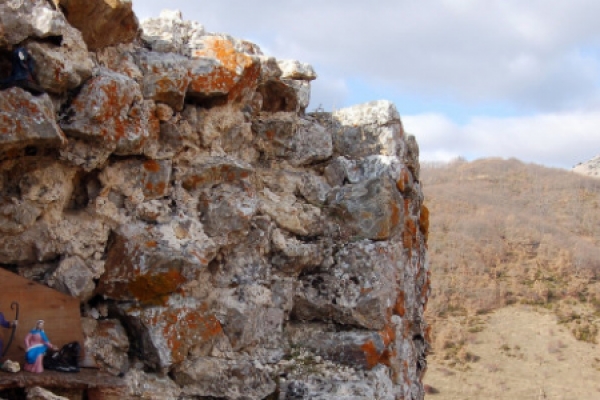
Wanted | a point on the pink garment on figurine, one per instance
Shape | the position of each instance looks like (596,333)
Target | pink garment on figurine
(33,342)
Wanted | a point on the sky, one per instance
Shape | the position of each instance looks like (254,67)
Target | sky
(470,78)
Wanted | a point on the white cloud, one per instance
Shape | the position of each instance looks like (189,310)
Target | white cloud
(538,58)
(523,52)
(560,139)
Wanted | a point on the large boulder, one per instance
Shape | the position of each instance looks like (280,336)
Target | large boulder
(102,23)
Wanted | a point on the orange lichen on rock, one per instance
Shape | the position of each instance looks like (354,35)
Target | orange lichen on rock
(154,289)
(373,355)
(235,73)
(424,222)
(151,166)
(400,306)
(201,328)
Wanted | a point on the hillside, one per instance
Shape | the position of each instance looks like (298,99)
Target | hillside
(504,233)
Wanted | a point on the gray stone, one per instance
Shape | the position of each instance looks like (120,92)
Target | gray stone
(65,67)
(107,343)
(360,289)
(293,69)
(27,120)
(168,334)
(290,214)
(169,33)
(231,379)
(372,209)
(147,263)
(73,277)
(368,129)
(151,386)
(110,111)
(166,77)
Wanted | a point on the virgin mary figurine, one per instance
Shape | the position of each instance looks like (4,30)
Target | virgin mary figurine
(36,344)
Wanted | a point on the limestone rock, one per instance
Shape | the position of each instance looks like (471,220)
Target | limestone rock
(283,135)
(151,178)
(110,111)
(293,69)
(20,20)
(314,188)
(247,262)
(166,335)
(290,214)
(151,386)
(343,170)
(371,209)
(360,289)
(375,386)
(171,34)
(293,255)
(27,120)
(78,234)
(45,186)
(147,263)
(227,211)
(165,77)
(38,393)
(249,320)
(64,67)
(235,380)
(84,154)
(368,129)
(113,21)
(107,342)
(209,171)
(73,277)
(222,70)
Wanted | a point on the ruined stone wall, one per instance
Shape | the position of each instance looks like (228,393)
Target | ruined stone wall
(223,242)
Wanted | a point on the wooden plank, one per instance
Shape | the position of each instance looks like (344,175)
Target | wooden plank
(60,312)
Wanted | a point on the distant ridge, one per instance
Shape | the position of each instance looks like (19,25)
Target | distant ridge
(589,168)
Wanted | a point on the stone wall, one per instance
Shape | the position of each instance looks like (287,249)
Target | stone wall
(223,242)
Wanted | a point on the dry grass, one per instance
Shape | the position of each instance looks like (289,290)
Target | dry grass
(504,232)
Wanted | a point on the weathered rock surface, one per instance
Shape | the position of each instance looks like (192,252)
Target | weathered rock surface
(110,111)
(223,242)
(234,379)
(26,120)
(370,129)
(113,21)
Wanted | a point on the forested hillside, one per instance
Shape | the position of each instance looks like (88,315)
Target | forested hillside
(504,233)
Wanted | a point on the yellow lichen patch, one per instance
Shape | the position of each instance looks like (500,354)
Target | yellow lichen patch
(154,289)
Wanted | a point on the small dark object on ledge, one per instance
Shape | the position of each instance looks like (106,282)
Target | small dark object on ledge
(22,74)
